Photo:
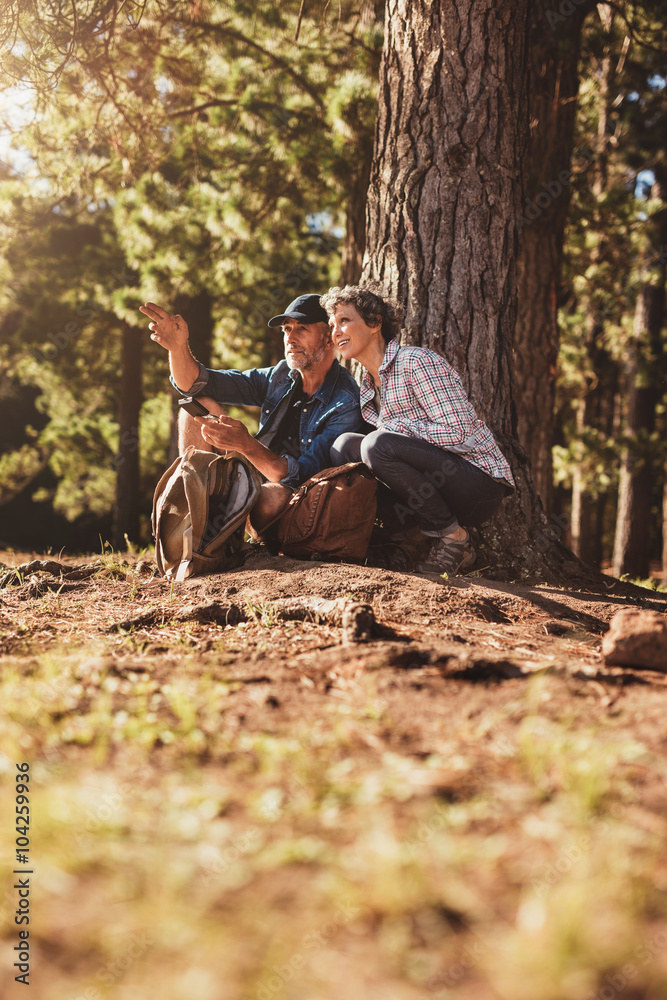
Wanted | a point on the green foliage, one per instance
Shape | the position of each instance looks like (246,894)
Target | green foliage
(17,469)
(610,253)
(172,151)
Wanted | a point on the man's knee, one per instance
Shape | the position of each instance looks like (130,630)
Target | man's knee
(272,500)
(189,431)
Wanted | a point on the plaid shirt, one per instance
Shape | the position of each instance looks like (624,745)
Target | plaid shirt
(422,397)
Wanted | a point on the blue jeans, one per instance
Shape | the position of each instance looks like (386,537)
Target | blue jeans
(429,487)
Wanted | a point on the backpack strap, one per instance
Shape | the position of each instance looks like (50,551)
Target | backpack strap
(199,511)
(182,572)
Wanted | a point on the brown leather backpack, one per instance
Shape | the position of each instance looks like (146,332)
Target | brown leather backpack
(331,515)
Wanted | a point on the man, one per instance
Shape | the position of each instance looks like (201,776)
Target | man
(306,401)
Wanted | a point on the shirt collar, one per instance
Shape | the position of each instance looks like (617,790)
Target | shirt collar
(389,355)
(326,390)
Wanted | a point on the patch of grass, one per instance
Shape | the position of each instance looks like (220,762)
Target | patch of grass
(190,842)
(648,583)
(263,613)
(583,765)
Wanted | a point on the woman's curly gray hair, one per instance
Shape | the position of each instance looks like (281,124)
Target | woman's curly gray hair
(371,304)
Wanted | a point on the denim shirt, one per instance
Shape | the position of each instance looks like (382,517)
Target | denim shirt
(332,410)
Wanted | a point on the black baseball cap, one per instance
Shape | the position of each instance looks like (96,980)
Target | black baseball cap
(305,308)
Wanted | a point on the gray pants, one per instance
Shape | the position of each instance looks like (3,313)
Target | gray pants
(429,487)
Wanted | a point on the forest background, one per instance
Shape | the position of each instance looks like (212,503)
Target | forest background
(215,157)
(300,779)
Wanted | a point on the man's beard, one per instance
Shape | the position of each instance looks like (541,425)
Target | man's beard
(306,361)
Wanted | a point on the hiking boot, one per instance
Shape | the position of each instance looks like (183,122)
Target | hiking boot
(390,556)
(400,551)
(410,536)
(448,555)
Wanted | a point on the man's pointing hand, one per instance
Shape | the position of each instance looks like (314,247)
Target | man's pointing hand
(170,332)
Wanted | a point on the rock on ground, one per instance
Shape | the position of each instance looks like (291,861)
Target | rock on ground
(636,638)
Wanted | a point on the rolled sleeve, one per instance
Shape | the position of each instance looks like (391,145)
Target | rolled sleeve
(247,388)
(293,477)
(230,387)
(199,384)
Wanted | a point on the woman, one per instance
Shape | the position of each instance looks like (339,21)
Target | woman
(440,461)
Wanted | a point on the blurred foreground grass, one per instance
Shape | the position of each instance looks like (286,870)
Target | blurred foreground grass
(181,850)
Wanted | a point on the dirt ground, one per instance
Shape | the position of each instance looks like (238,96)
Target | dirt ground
(438,644)
(562,624)
(444,676)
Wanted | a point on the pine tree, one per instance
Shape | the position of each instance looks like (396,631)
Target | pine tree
(554,46)
(606,252)
(219,151)
(645,359)
(444,198)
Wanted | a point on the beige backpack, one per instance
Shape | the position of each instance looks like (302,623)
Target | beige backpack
(199,512)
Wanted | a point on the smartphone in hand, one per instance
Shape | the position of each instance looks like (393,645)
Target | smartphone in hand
(193,407)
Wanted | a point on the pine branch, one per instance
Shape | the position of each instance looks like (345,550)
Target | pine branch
(634,35)
(298,23)
(196,108)
(222,29)
(14,491)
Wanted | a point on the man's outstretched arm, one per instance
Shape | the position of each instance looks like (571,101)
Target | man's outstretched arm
(171,332)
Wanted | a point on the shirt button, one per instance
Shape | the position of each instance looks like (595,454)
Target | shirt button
(305,410)
(310,440)
(266,411)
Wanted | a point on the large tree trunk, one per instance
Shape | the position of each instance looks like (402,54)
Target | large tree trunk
(632,544)
(445,193)
(354,243)
(595,415)
(126,521)
(664,525)
(553,84)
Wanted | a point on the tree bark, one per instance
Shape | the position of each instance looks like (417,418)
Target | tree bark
(595,405)
(445,186)
(445,194)
(354,243)
(664,526)
(553,85)
(632,543)
(126,521)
